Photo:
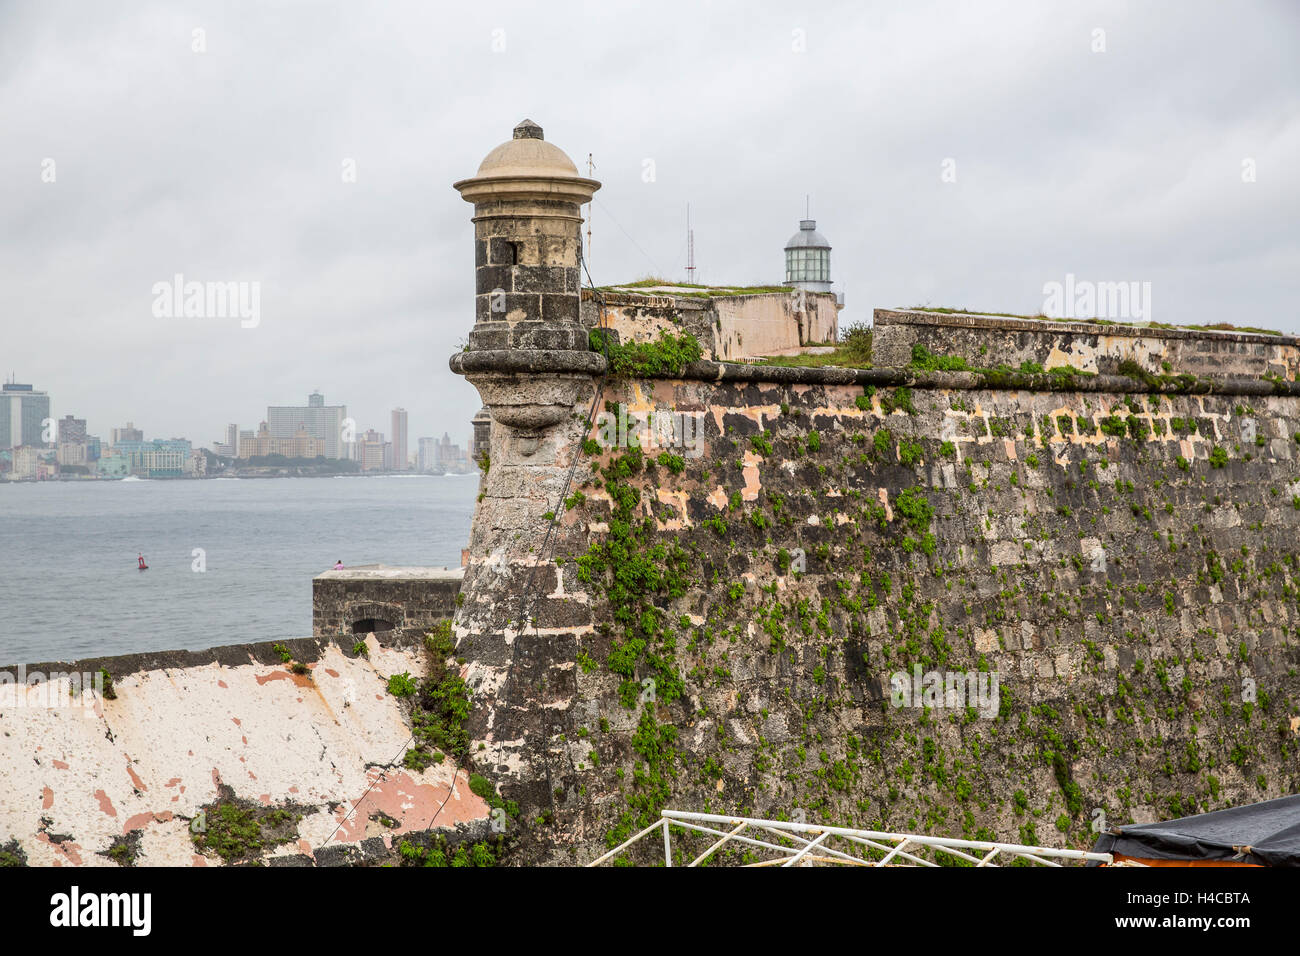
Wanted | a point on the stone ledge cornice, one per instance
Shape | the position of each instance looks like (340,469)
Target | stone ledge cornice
(515,361)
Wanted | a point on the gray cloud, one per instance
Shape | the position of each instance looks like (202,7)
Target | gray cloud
(227,165)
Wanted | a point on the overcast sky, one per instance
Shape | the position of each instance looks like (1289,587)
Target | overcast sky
(227,165)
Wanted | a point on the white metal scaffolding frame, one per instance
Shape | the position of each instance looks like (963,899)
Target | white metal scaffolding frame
(812,844)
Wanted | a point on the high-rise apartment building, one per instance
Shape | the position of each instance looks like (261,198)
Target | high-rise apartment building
(427,453)
(316,418)
(72,430)
(302,444)
(129,433)
(372,451)
(399,462)
(26,463)
(71,453)
(23,413)
(230,447)
(441,455)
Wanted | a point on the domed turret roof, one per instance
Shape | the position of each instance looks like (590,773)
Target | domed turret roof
(527,154)
(807,237)
(527,168)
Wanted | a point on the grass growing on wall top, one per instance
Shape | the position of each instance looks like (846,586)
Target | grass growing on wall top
(668,355)
(700,291)
(1212,327)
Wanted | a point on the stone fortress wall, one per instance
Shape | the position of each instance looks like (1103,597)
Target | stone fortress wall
(1120,554)
(728,325)
(719,626)
(1102,549)
(1095,347)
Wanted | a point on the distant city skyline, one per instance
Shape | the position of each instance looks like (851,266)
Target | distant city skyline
(34,404)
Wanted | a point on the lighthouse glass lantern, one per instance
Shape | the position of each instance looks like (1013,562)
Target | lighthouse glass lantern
(808,259)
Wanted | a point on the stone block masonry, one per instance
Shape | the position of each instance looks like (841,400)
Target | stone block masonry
(728,326)
(986,341)
(404,601)
(719,633)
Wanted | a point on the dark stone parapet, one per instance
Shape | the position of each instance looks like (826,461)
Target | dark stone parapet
(887,377)
(793,375)
(648,300)
(884,317)
(1088,346)
(575,362)
(306,649)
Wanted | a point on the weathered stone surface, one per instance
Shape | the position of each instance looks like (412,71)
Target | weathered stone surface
(397,603)
(988,341)
(728,327)
(1080,537)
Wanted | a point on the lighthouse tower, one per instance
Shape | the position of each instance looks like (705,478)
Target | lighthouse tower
(808,259)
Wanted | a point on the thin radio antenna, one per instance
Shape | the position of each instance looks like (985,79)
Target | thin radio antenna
(591,168)
(690,248)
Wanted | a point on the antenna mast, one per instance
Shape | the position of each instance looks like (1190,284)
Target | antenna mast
(690,247)
(591,167)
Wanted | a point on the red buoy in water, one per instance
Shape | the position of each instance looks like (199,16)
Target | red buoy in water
(143,566)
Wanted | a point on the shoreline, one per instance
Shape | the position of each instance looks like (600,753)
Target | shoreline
(343,474)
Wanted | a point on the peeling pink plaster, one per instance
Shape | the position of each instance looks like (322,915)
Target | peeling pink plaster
(141,820)
(415,806)
(301,680)
(750,474)
(135,777)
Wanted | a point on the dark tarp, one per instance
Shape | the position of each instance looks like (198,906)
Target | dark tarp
(1265,833)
